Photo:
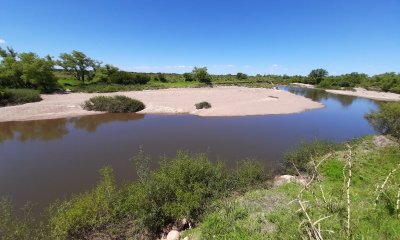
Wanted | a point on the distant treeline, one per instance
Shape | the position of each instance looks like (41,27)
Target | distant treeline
(76,69)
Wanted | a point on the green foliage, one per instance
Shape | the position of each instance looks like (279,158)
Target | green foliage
(115,104)
(388,82)
(201,75)
(386,119)
(78,64)
(317,75)
(27,70)
(184,187)
(18,96)
(161,77)
(188,77)
(86,212)
(302,155)
(122,77)
(241,76)
(102,74)
(343,81)
(202,105)
(23,227)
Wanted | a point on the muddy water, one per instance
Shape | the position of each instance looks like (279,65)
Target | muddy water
(41,161)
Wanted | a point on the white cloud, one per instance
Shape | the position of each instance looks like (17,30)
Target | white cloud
(2,41)
(275,65)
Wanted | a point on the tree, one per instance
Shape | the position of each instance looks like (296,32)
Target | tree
(38,72)
(10,69)
(79,64)
(317,75)
(201,75)
(26,70)
(241,76)
(102,74)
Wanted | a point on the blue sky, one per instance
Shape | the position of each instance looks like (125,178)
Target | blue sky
(253,36)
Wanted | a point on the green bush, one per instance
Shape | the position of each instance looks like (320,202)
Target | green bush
(386,120)
(116,104)
(18,96)
(161,77)
(184,187)
(303,155)
(202,105)
(129,78)
(86,212)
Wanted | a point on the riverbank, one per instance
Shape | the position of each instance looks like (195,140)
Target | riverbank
(361,92)
(225,101)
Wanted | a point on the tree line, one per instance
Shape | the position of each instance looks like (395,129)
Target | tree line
(28,70)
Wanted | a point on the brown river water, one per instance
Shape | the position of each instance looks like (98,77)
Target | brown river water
(45,160)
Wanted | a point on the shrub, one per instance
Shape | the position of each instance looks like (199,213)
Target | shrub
(386,120)
(18,96)
(188,77)
(129,78)
(202,105)
(304,153)
(116,104)
(201,75)
(161,77)
(184,187)
(85,213)
(241,76)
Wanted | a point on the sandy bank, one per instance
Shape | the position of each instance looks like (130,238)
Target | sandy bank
(225,101)
(361,92)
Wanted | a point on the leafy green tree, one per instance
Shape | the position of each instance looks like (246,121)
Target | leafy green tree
(201,75)
(102,74)
(10,69)
(38,72)
(241,76)
(317,75)
(78,64)
(26,70)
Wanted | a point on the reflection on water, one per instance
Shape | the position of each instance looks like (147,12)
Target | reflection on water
(32,130)
(57,128)
(41,161)
(319,95)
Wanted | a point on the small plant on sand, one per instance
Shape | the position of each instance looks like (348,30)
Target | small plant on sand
(115,104)
(202,105)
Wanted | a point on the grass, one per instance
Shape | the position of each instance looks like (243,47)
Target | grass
(115,104)
(18,96)
(275,213)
